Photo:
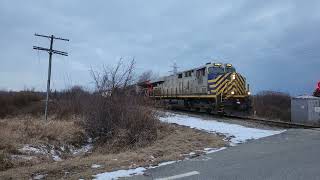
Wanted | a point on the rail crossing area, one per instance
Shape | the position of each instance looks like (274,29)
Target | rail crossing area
(216,98)
(257,151)
(292,155)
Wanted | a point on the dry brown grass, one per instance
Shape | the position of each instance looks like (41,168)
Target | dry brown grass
(31,130)
(172,143)
(5,162)
(19,131)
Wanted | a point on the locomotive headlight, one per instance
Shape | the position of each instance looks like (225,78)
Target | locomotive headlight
(249,93)
(232,92)
(233,76)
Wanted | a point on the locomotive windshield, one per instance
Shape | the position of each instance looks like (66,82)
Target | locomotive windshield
(215,70)
(230,69)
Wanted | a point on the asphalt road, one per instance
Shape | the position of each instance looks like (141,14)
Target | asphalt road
(294,154)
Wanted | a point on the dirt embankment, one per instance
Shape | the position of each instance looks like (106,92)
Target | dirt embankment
(173,143)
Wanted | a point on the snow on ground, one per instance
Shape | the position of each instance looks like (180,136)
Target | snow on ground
(213,150)
(164,164)
(32,150)
(237,133)
(39,176)
(129,172)
(29,151)
(84,149)
(94,166)
(120,173)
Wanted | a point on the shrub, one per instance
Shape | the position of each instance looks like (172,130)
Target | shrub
(12,103)
(69,102)
(272,105)
(115,116)
(317,92)
(121,122)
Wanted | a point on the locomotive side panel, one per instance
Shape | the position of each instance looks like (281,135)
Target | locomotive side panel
(190,82)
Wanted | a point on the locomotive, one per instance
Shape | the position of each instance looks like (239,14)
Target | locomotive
(214,87)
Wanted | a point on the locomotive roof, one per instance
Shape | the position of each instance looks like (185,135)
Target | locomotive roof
(161,79)
(191,69)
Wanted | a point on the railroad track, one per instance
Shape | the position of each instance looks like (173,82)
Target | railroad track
(275,123)
(259,120)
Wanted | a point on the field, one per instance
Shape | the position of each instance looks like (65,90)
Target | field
(86,134)
(173,143)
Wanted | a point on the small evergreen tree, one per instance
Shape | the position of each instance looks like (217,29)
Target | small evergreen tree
(317,92)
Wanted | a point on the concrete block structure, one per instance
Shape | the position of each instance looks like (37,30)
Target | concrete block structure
(305,109)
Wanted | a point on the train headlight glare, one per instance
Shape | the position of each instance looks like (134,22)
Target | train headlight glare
(249,93)
(232,92)
(233,77)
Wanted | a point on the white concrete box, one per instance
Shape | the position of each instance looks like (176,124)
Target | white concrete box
(305,109)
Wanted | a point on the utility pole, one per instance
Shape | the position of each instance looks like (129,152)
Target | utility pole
(50,51)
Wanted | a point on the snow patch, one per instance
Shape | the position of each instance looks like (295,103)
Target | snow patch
(120,173)
(39,176)
(55,155)
(84,149)
(56,158)
(28,149)
(213,150)
(236,133)
(129,172)
(52,151)
(94,166)
(165,163)
(41,150)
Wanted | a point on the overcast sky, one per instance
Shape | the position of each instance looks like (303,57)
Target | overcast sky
(274,44)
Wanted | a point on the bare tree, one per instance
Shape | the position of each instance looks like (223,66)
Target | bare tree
(145,76)
(114,79)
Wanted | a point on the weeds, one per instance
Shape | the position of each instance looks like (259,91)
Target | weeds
(13,103)
(120,123)
(70,102)
(5,162)
(15,132)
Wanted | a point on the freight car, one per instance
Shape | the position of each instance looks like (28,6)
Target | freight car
(214,87)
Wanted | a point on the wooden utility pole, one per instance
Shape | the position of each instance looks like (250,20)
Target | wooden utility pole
(50,51)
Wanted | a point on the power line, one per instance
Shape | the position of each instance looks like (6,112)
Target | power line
(50,51)
(174,68)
